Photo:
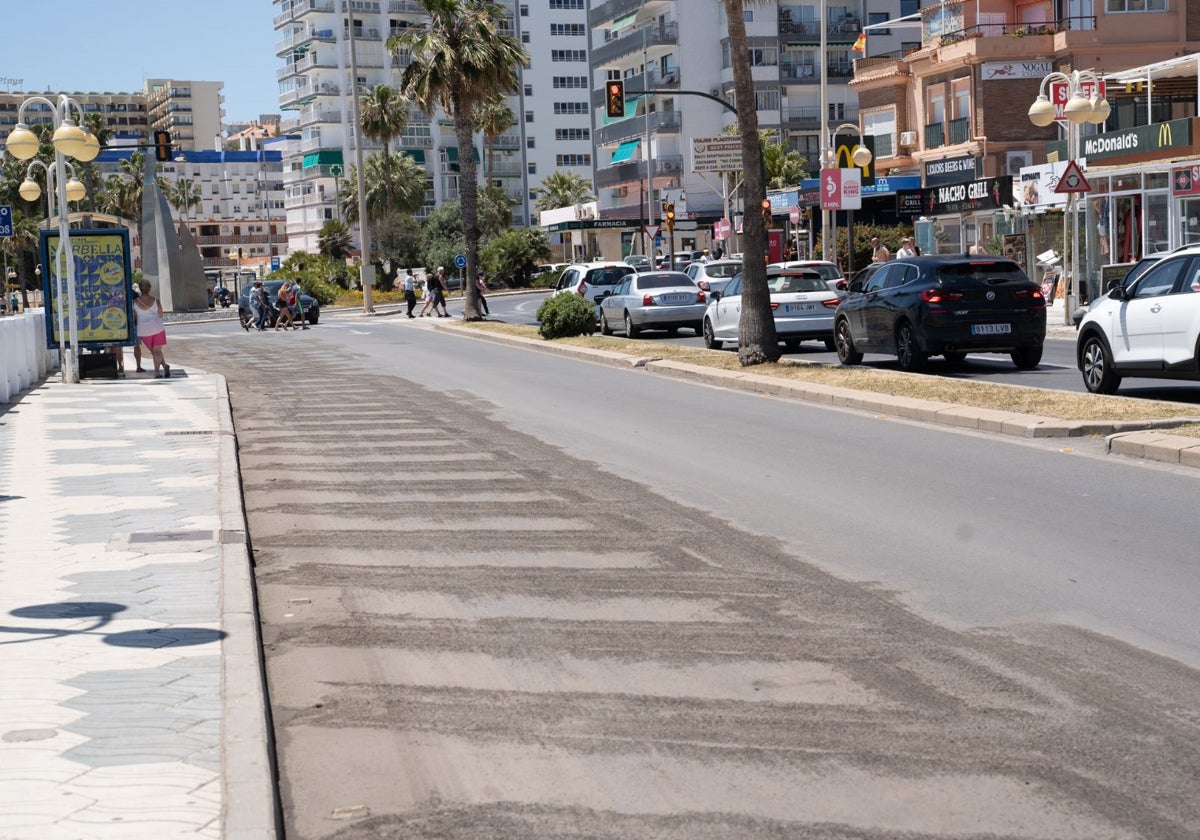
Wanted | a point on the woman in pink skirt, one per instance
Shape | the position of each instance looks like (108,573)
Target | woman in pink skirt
(148,312)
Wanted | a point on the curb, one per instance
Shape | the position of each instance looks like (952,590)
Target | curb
(1141,439)
(249,801)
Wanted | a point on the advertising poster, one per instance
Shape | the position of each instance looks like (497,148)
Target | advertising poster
(103,287)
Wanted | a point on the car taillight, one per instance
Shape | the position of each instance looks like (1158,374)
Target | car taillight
(940,296)
(1035,295)
(647,300)
(774,305)
(832,303)
(700,298)
(583,289)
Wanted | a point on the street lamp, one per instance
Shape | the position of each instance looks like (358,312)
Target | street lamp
(69,141)
(1084,104)
(860,157)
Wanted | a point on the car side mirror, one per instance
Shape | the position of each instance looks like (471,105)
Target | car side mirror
(715,295)
(1116,290)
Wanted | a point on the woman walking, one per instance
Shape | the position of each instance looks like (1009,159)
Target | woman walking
(148,313)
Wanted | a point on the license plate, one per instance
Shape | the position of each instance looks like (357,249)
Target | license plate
(789,308)
(991,329)
(676,298)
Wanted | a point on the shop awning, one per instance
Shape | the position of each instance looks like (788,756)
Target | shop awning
(322,159)
(625,151)
(622,22)
(416,154)
(631,107)
(452,154)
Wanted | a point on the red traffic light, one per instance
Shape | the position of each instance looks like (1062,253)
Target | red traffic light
(614,101)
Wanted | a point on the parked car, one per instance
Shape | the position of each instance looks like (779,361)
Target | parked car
(917,307)
(1135,271)
(682,259)
(311,306)
(713,276)
(638,261)
(592,280)
(832,274)
(1145,327)
(664,300)
(801,301)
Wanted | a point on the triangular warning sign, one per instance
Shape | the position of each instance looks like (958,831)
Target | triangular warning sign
(1072,180)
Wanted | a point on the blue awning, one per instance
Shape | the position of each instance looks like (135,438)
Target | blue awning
(625,151)
(631,107)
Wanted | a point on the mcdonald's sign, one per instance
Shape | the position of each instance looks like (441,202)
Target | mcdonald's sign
(1141,140)
(843,156)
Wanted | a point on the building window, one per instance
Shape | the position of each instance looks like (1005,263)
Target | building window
(882,126)
(572,134)
(530,142)
(524,10)
(574,30)
(571,107)
(529,116)
(529,90)
(532,167)
(1135,5)
(578,82)
(524,37)
(766,100)
(568,55)
(878,17)
(573,160)
(566,4)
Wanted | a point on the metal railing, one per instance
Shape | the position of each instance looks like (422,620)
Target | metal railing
(631,40)
(960,130)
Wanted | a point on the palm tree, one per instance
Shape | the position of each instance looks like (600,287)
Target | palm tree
(183,195)
(395,187)
(383,114)
(333,240)
(493,118)
(563,189)
(95,123)
(757,341)
(464,57)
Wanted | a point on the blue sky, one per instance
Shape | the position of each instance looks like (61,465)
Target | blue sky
(88,46)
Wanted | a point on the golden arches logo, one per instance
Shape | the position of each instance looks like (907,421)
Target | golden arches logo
(1164,136)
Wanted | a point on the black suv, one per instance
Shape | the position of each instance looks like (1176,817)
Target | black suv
(917,307)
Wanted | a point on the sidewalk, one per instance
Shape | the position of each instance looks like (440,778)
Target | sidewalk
(132,702)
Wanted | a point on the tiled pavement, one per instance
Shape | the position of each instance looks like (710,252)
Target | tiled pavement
(131,697)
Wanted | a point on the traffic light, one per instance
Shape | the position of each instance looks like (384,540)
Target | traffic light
(669,215)
(162,145)
(614,103)
(766,212)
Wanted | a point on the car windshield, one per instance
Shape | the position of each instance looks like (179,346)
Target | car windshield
(972,273)
(663,281)
(607,276)
(719,270)
(798,283)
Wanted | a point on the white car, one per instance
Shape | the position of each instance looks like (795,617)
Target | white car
(832,274)
(712,276)
(802,302)
(592,280)
(662,300)
(1150,328)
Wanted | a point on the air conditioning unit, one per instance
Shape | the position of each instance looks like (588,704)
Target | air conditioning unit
(908,138)
(1013,161)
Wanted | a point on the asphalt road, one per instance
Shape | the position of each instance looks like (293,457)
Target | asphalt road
(507,594)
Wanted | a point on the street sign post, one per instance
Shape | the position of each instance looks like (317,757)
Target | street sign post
(721,229)
(651,231)
(794,214)
(1072,180)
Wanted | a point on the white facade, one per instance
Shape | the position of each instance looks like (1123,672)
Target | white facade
(314,82)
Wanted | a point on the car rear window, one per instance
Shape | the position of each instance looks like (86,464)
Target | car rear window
(798,283)
(609,276)
(664,281)
(979,273)
(729,270)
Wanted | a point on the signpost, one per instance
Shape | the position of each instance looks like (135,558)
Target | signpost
(841,189)
(722,229)
(794,214)
(1072,180)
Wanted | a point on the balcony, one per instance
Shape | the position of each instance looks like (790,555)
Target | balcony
(622,173)
(299,39)
(960,130)
(630,41)
(601,13)
(935,135)
(947,134)
(405,7)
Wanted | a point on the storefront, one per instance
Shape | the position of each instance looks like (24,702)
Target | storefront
(953,218)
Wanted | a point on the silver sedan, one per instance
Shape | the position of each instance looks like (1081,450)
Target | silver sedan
(655,300)
(801,301)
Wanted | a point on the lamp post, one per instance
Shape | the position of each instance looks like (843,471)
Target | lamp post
(861,157)
(1081,91)
(69,141)
(11,275)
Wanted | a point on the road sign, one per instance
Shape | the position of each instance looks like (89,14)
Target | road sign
(652,231)
(461,260)
(794,214)
(5,220)
(1072,180)
(841,189)
(722,229)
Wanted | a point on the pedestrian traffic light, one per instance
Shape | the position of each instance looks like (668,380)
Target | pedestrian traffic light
(669,215)
(614,105)
(162,145)
(766,212)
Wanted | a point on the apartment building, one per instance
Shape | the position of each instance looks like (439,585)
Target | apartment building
(127,115)
(191,111)
(551,131)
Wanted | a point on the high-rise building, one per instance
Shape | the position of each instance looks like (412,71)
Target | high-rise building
(552,116)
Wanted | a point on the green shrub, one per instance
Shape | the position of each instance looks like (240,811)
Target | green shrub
(565,315)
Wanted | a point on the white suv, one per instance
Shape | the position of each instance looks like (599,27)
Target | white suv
(592,279)
(1149,328)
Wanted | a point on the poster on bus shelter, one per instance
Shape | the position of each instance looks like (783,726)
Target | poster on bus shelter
(103,287)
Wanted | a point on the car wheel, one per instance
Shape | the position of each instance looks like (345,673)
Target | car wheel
(313,316)
(847,355)
(792,344)
(955,357)
(605,329)
(243,316)
(1098,374)
(831,344)
(1026,358)
(630,330)
(908,353)
(710,340)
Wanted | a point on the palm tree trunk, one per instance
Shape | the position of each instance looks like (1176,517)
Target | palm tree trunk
(468,194)
(757,340)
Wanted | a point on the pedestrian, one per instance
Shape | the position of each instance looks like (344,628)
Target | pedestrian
(260,302)
(428,285)
(148,313)
(879,251)
(286,302)
(298,306)
(438,282)
(410,291)
(482,287)
(906,248)
(977,249)
(13,303)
